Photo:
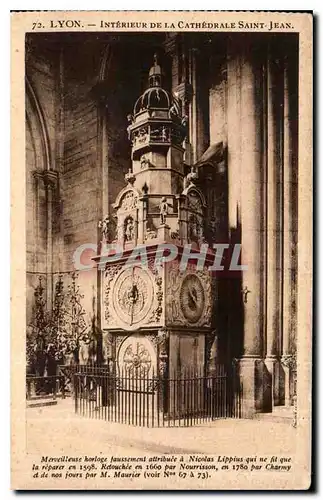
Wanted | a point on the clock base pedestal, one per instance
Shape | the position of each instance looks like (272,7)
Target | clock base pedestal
(186,352)
(186,361)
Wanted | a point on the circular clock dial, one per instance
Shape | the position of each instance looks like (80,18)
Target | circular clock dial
(132,295)
(192,298)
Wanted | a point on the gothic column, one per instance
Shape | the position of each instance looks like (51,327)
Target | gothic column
(50,181)
(198,131)
(233,106)
(193,121)
(288,235)
(251,227)
(273,226)
(176,47)
(172,48)
(234,139)
(37,179)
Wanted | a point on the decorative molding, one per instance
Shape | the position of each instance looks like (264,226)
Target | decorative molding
(127,199)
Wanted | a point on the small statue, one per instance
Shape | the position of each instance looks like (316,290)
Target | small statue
(164,134)
(129,230)
(195,229)
(155,132)
(163,210)
(105,226)
(192,176)
(130,121)
(145,162)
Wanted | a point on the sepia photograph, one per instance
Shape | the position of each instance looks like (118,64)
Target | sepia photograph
(164,250)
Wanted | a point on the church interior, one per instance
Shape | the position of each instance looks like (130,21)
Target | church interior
(166,138)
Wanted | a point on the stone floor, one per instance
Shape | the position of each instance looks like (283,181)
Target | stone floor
(56,429)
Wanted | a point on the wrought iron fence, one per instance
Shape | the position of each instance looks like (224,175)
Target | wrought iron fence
(68,372)
(38,387)
(148,400)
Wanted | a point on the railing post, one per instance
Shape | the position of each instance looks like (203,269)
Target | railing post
(53,383)
(28,383)
(63,386)
(75,390)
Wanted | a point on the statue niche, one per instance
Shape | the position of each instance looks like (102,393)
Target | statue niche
(128,229)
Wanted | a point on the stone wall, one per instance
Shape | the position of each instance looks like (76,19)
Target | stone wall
(80,89)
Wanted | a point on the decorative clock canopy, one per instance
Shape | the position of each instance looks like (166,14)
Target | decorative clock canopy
(159,203)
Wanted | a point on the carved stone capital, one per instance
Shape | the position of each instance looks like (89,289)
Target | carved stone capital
(289,361)
(38,175)
(50,179)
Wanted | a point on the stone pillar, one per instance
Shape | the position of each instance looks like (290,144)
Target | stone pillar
(234,139)
(38,177)
(273,226)
(235,321)
(171,46)
(50,181)
(193,112)
(250,126)
(288,227)
(288,230)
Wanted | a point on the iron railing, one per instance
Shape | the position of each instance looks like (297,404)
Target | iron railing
(148,400)
(68,372)
(44,386)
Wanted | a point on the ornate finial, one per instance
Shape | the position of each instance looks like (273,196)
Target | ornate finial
(130,177)
(155,73)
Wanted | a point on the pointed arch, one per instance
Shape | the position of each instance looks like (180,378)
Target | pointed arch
(35,116)
(105,62)
(195,191)
(123,193)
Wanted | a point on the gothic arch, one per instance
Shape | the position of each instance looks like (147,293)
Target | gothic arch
(193,190)
(35,121)
(123,194)
(105,63)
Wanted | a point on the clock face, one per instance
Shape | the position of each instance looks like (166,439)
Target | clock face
(192,298)
(132,295)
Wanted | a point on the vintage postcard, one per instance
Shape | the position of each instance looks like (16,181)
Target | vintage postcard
(161,250)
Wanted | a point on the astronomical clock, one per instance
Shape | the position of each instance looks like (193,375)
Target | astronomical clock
(133,297)
(156,319)
(189,296)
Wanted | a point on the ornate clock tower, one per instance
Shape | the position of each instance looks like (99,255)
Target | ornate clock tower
(157,316)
